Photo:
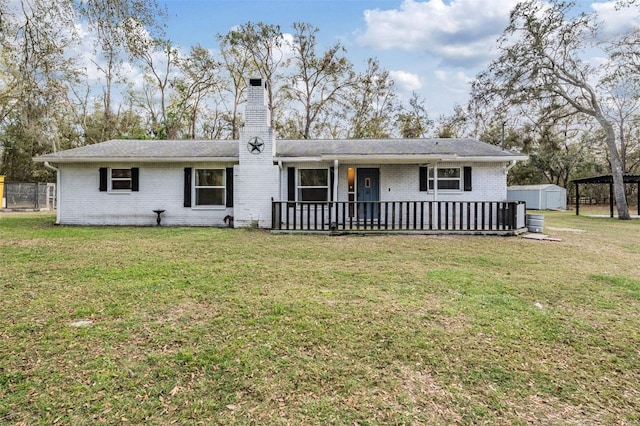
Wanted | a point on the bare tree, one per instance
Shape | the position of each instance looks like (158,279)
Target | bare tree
(35,78)
(159,58)
(318,80)
(540,59)
(372,103)
(263,45)
(413,119)
(110,21)
(238,65)
(198,80)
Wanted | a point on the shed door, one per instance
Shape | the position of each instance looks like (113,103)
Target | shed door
(368,190)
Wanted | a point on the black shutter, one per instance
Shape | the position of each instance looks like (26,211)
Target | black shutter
(291,183)
(103,179)
(135,174)
(331,182)
(423,178)
(229,187)
(187,186)
(467,178)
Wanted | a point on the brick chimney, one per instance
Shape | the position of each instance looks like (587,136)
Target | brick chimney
(257,111)
(256,178)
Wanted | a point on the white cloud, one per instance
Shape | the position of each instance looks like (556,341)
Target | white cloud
(456,81)
(406,81)
(462,31)
(616,21)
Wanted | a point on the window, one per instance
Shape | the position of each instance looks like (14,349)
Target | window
(209,187)
(448,179)
(119,180)
(313,185)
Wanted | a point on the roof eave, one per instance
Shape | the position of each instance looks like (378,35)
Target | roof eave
(400,158)
(95,160)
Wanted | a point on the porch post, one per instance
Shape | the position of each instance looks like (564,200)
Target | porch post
(611,199)
(335,192)
(577,199)
(435,181)
(335,180)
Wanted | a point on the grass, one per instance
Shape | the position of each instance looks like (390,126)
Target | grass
(219,326)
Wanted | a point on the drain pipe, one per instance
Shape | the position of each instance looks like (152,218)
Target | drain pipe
(57,170)
(509,166)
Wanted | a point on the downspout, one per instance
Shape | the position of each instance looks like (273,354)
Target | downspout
(508,167)
(57,170)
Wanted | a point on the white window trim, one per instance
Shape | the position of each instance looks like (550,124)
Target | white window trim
(433,180)
(111,179)
(327,187)
(194,189)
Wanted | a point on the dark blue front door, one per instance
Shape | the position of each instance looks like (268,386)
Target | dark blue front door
(368,191)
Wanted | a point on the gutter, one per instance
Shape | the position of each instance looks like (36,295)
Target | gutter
(98,160)
(401,159)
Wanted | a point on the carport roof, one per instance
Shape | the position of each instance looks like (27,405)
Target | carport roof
(607,179)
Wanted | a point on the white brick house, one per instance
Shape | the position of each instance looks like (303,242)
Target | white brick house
(258,180)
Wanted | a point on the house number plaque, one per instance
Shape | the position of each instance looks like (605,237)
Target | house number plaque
(255,145)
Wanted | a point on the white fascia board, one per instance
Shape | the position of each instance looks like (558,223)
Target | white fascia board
(393,159)
(355,159)
(399,159)
(92,160)
(277,160)
(499,159)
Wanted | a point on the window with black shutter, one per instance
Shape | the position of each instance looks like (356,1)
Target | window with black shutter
(119,179)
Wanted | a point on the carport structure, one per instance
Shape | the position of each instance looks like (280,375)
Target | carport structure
(608,179)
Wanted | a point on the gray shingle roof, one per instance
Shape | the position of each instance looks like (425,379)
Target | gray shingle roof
(148,150)
(227,150)
(391,147)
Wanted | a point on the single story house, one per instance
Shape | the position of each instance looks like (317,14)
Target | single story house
(437,185)
(539,197)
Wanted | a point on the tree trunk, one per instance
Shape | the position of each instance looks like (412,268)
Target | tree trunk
(616,169)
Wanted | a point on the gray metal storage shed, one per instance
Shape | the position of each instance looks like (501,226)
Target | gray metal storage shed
(539,197)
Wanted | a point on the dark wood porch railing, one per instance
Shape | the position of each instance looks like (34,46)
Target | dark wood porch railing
(390,216)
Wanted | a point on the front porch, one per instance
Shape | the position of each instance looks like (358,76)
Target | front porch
(423,217)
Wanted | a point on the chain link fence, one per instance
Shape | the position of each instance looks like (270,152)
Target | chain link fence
(23,196)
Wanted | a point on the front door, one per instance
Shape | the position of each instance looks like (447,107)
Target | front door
(368,191)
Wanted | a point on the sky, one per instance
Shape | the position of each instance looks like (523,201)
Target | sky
(432,47)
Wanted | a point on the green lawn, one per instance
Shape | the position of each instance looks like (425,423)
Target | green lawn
(219,326)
